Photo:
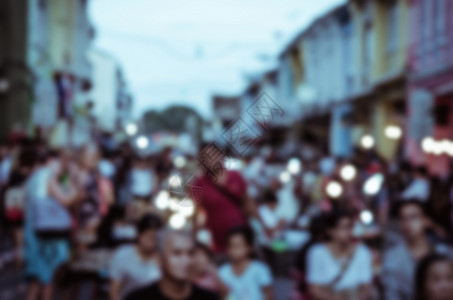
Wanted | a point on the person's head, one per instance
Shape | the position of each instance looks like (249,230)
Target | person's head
(211,157)
(317,228)
(420,172)
(147,228)
(203,258)
(27,159)
(412,218)
(140,162)
(177,252)
(4,150)
(240,243)
(53,161)
(339,224)
(434,278)
(269,198)
(166,153)
(90,157)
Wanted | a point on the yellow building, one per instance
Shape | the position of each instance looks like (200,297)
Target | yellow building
(381,40)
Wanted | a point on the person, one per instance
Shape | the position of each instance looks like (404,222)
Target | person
(15,196)
(134,266)
(164,164)
(254,174)
(245,277)
(176,249)
(434,278)
(317,235)
(90,208)
(339,268)
(44,257)
(400,260)
(143,180)
(420,186)
(205,272)
(223,197)
(6,163)
(268,213)
(123,163)
(106,165)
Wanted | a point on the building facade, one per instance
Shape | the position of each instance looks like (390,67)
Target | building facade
(112,102)
(348,69)
(430,90)
(44,69)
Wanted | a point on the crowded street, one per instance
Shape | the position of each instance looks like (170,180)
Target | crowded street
(236,150)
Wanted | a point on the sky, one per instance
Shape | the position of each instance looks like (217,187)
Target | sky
(183,52)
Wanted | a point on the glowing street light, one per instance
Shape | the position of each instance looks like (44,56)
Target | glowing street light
(294,166)
(431,146)
(285,177)
(366,217)
(393,132)
(373,184)
(334,189)
(131,129)
(448,149)
(428,144)
(142,142)
(180,162)
(177,221)
(233,164)
(174,181)
(348,172)
(162,200)
(367,141)
(187,208)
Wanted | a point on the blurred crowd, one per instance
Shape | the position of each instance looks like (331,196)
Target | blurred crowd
(111,222)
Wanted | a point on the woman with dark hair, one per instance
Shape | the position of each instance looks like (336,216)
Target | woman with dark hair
(317,235)
(47,248)
(96,197)
(14,195)
(245,277)
(135,266)
(434,278)
(205,273)
(339,268)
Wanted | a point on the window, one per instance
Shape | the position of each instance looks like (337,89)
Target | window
(42,4)
(392,26)
(441,20)
(369,45)
(347,56)
(426,18)
(368,13)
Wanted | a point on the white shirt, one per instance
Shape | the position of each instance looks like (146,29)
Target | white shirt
(128,268)
(143,182)
(269,216)
(107,168)
(323,268)
(418,189)
(5,170)
(248,285)
(270,220)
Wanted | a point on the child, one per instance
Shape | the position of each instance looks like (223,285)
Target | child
(245,277)
(205,272)
(272,222)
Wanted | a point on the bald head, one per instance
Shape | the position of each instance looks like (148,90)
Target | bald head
(176,250)
(167,239)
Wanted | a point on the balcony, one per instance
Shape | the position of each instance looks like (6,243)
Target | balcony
(430,56)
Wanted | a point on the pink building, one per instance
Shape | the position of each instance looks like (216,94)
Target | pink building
(430,88)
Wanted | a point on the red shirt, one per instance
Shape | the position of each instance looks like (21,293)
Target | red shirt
(223,212)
